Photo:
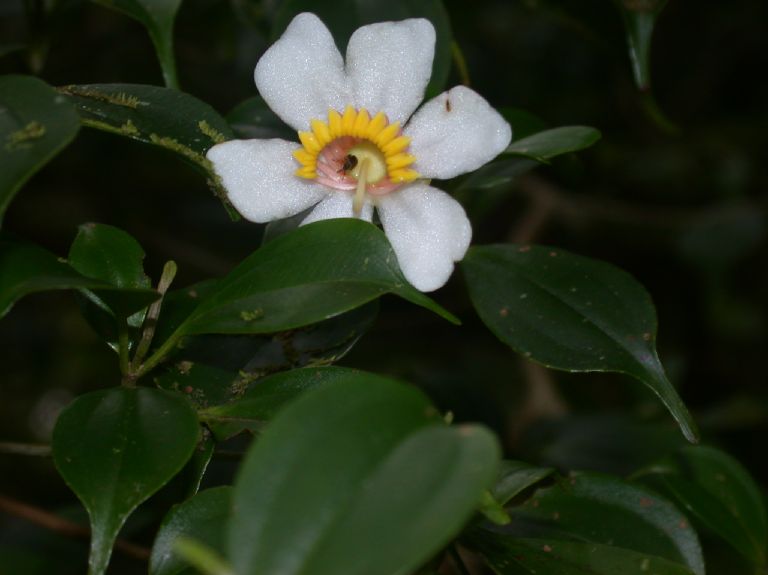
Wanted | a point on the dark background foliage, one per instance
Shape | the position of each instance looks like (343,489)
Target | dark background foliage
(674,193)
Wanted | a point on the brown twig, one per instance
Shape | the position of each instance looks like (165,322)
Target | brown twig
(547,197)
(63,526)
(34,449)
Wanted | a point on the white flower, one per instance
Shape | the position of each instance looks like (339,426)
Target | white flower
(354,155)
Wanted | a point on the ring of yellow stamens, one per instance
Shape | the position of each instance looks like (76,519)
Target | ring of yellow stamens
(385,150)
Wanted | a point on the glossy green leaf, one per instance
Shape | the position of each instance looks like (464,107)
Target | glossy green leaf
(521,156)
(493,175)
(311,274)
(371,463)
(186,483)
(109,254)
(202,518)
(570,312)
(263,399)
(242,358)
(515,556)
(717,491)
(544,146)
(115,448)
(610,442)
(26,268)
(515,477)
(158,116)
(523,122)
(639,21)
(158,17)
(254,119)
(605,510)
(36,123)
(343,17)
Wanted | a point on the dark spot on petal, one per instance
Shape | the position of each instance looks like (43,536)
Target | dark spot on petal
(447,105)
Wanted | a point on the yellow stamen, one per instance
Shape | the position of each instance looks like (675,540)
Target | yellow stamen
(397,145)
(309,142)
(361,123)
(306,172)
(321,131)
(403,175)
(387,134)
(334,123)
(400,161)
(304,157)
(377,124)
(379,148)
(348,120)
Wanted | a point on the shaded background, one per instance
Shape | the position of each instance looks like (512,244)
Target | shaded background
(678,202)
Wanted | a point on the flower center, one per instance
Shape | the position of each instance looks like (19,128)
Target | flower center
(356,152)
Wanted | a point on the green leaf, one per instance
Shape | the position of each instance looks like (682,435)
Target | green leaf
(544,146)
(254,119)
(610,442)
(26,268)
(203,518)
(493,175)
(311,274)
(158,116)
(639,21)
(718,492)
(523,122)
(261,402)
(372,465)
(109,254)
(343,17)
(520,157)
(251,356)
(515,477)
(597,509)
(36,123)
(218,369)
(515,556)
(570,312)
(115,448)
(158,17)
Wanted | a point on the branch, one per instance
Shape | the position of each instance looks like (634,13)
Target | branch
(35,449)
(65,527)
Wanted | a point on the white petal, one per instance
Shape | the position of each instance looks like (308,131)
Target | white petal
(428,230)
(259,178)
(455,133)
(338,204)
(302,76)
(389,65)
